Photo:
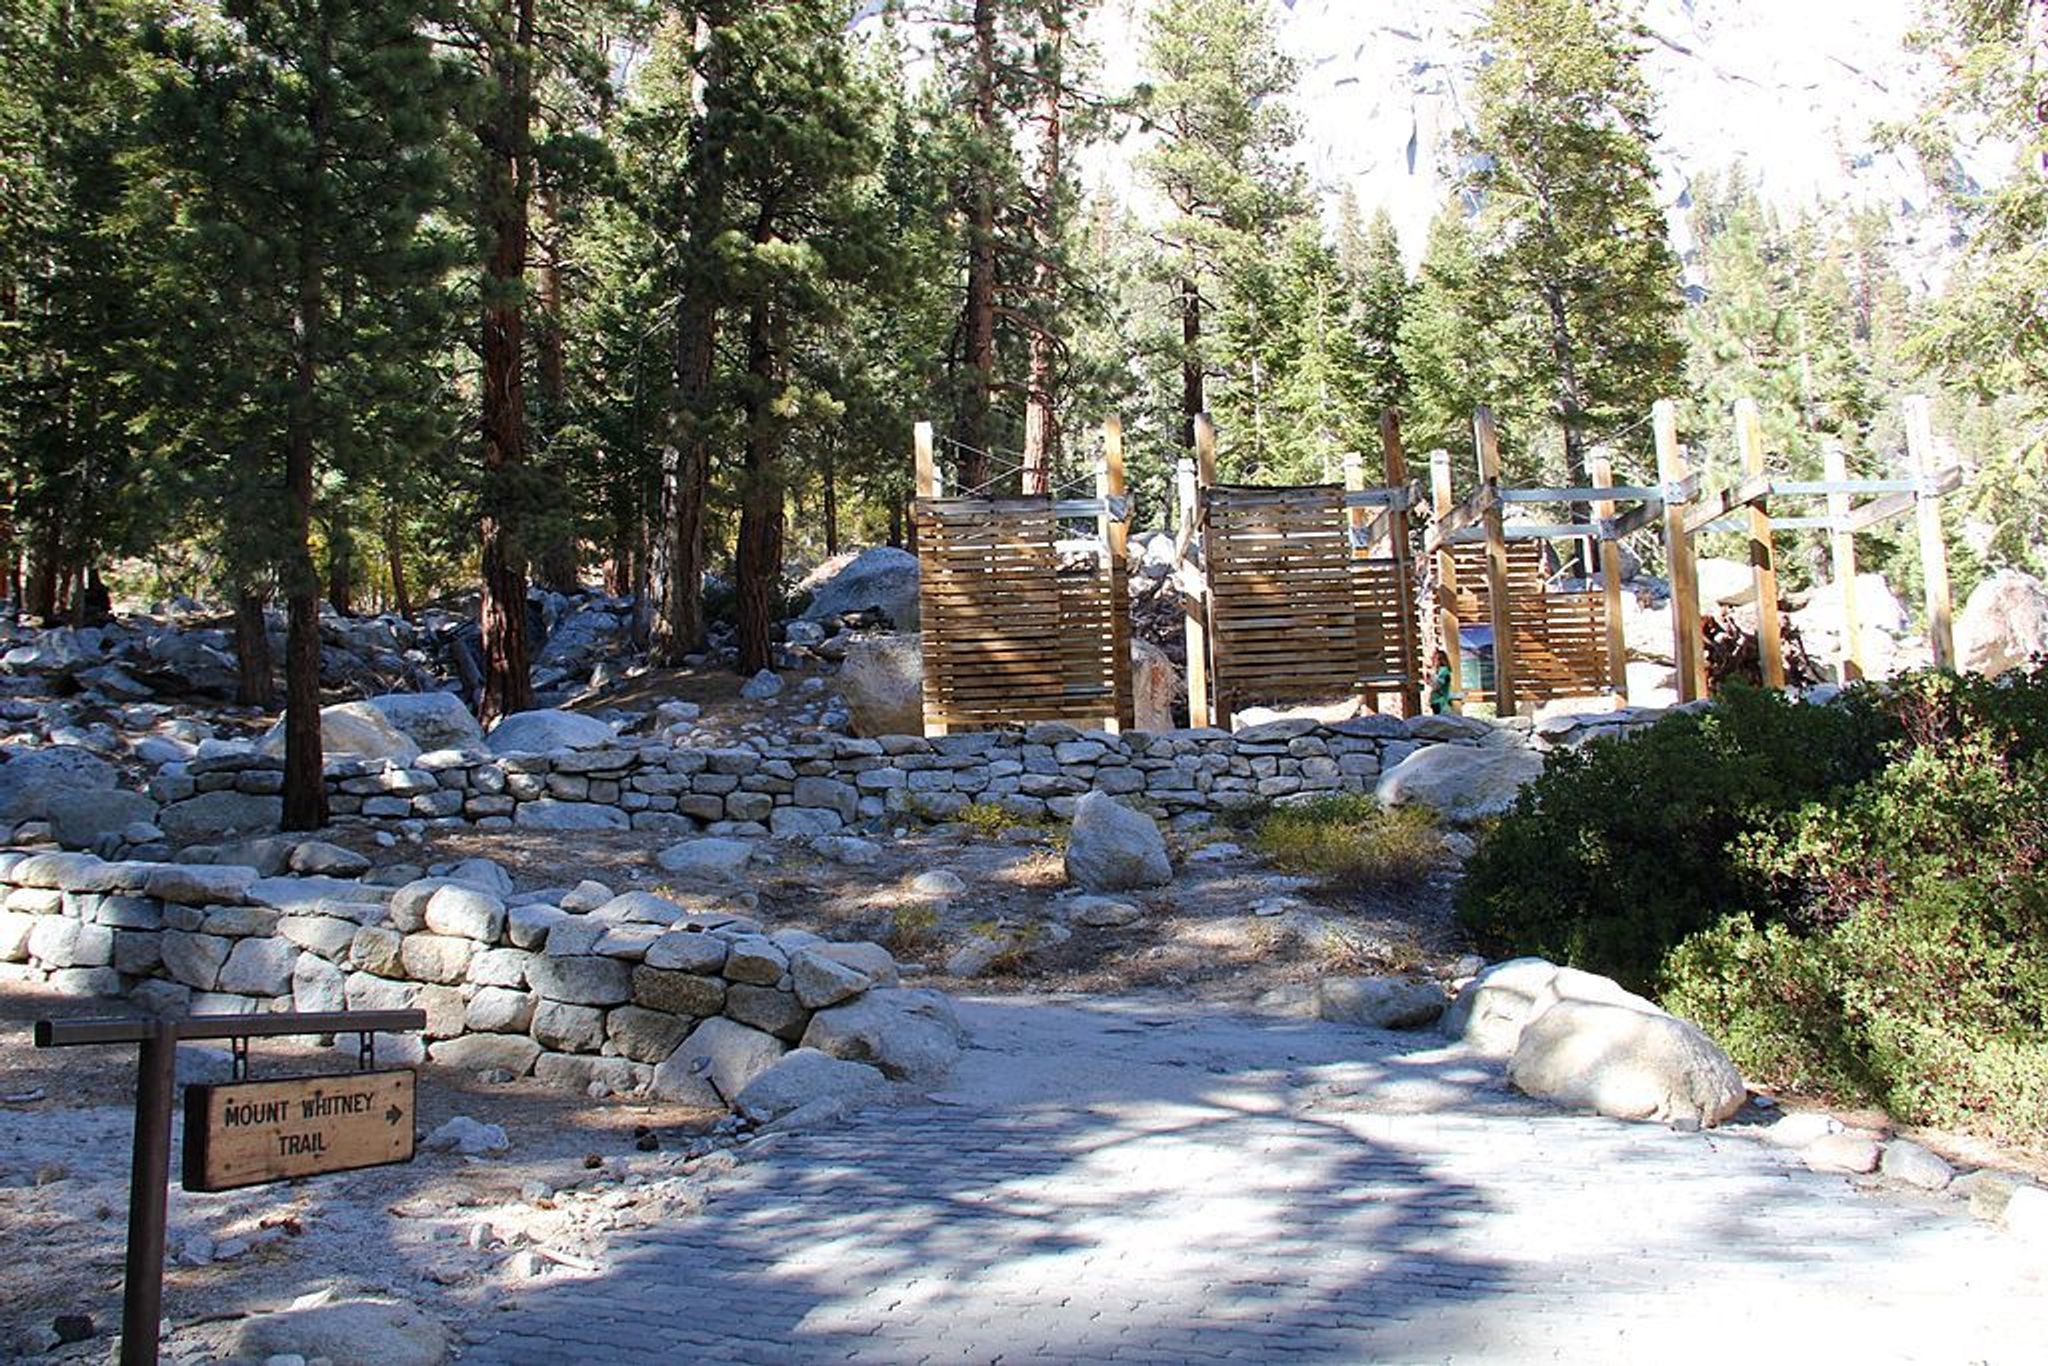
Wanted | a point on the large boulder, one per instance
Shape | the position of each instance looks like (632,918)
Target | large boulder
(79,820)
(343,1333)
(709,859)
(882,681)
(545,731)
(353,728)
(1724,581)
(225,812)
(911,1034)
(1626,1063)
(723,1052)
(2004,623)
(1379,1002)
(882,578)
(1461,783)
(1112,848)
(433,720)
(1492,1010)
(1154,683)
(31,777)
(806,1079)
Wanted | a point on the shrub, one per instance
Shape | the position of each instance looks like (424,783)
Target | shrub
(1351,841)
(1623,848)
(911,929)
(1912,966)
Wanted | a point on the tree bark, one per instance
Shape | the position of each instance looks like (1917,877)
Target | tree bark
(831,504)
(1041,407)
(1192,400)
(255,676)
(560,566)
(978,321)
(508,162)
(394,557)
(677,568)
(758,564)
(341,552)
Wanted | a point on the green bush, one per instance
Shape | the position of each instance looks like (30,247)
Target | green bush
(1624,848)
(1351,842)
(1912,966)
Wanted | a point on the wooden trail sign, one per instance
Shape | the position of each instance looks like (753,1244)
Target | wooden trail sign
(247,1133)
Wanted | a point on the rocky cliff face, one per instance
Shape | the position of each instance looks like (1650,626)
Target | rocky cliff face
(1792,89)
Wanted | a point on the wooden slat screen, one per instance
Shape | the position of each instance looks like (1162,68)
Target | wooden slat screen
(1296,613)
(1010,635)
(1560,639)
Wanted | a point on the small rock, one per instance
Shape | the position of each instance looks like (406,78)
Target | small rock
(1798,1130)
(1912,1165)
(73,1327)
(939,882)
(762,686)
(468,1137)
(1103,912)
(525,1266)
(2026,1214)
(50,1173)
(1848,1153)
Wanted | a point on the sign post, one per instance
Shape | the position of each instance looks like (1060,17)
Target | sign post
(295,1128)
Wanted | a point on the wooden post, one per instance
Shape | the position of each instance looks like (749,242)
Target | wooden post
(1602,469)
(1842,547)
(1446,569)
(1115,533)
(928,486)
(1500,608)
(1941,634)
(1357,521)
(1192,594)
(1396,459)
(1763,562)
(1202,712)
(1672,470)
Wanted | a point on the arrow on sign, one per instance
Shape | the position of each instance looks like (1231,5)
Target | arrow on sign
(393,1115)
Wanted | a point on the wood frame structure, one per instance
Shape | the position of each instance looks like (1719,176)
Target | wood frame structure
(1015,629)
(1299,593)
(1546,645)
(1745,506)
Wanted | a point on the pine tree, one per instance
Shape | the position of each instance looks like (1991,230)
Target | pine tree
(1452,336)
(1217,103)
(1380,293)
(300,153)
(1560,161)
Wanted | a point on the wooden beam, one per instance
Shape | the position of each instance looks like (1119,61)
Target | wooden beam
(927,467)
(1394,458)
(1114,528)
(1842,552)
(1601,468)
(1673,470)
(1487,439)
(1933,546)
(1721,502)
(1763,560)
(1192,482)
(1446,571)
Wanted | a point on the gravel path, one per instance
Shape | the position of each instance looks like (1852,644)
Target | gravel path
(1122,1181)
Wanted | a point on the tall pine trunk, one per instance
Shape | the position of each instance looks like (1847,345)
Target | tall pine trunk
(978,320)
(559,566)
(1191,396)
(758,564)
(1041,400)
(255,674)
(508,683)
(831,504)
(394,559)
(677,567)
(305,791)
(341,553)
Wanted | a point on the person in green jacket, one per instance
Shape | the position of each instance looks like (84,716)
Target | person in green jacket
(1440,685)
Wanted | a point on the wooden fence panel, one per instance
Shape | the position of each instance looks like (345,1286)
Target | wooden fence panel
(1560,639)
(1011,633)
(1296,612)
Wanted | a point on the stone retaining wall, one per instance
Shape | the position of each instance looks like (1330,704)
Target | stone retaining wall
(821,784)
(636,993)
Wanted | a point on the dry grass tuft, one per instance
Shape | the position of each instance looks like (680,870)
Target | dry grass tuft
(1351,843)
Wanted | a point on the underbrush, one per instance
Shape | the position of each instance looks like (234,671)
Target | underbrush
(1853,900)
(1351,842)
